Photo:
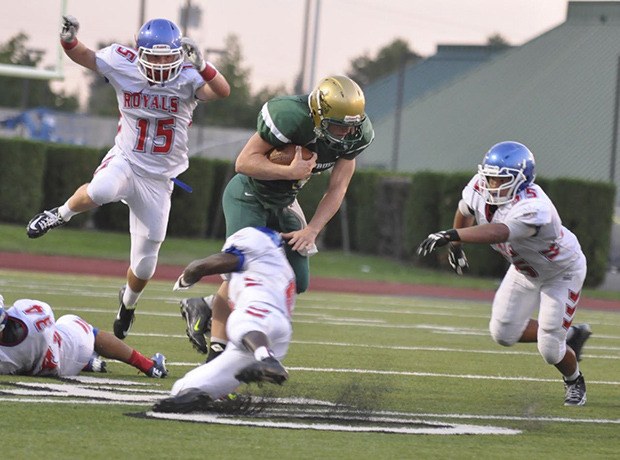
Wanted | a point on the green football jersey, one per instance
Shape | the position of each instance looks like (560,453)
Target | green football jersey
(287,120)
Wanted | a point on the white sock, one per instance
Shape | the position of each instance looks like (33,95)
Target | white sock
(218,340)
(262,352)
(130,298)
(65,212)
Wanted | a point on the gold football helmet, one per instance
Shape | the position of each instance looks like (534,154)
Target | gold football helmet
(337,109)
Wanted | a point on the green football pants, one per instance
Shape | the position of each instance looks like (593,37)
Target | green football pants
(243,209)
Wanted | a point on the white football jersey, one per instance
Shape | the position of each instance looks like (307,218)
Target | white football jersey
(264,274)
(550,251)
(154,119)
(38,351)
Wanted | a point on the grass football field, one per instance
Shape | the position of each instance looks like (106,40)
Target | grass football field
(371,377)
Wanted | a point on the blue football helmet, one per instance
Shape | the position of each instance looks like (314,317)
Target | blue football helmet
(4,317)
(160,55)
(511,163)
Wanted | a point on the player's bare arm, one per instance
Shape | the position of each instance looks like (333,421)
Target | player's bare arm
(327,208)
(463,220)
(216,86)
(252,161)
(77,51)
(485,233)
(213,265)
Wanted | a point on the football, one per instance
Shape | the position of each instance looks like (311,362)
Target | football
(284,155)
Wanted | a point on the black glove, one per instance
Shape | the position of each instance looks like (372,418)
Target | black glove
(457,259)
(437,240)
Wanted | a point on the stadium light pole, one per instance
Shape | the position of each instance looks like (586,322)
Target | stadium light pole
(398,109)
(142,13)
(315,43)
(300,84)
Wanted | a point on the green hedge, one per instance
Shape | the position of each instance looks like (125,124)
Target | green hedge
(423,215)
(188,215)
(386,214)
(22,172)
(223,171)
(67,168)
(587,209)
(362,205)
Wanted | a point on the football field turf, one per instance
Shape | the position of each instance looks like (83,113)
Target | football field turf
(370,377)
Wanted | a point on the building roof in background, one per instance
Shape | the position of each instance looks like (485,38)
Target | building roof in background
(450,62)
(557,94)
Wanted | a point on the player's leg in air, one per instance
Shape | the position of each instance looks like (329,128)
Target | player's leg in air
(149,209)
(43,222)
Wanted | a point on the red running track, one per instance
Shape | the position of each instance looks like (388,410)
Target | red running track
(104,267)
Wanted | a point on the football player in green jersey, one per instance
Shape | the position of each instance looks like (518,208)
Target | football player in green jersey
(330,121)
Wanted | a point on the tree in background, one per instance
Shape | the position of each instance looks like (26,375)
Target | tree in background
(365,69)
(241,108)
(497,41)
(24,93)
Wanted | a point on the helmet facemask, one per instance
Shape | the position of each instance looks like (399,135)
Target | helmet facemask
(506,191)
(159,72)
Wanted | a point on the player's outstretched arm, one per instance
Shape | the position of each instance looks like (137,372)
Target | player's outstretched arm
(76,50)
(216,86)
(213,265)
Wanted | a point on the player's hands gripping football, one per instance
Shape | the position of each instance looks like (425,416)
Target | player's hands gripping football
(457,259)
(301,169)
(193,53)
(437,240)
(70,27)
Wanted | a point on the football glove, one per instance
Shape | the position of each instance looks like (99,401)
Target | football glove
(457,259)
(70,27)
(193,53)
(437,240)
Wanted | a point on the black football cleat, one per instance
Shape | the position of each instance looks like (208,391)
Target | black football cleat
(268,370)
(197,314)
(581,333)
(124,318)
(190,400)
(40,224)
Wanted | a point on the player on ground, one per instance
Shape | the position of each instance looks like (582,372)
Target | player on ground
(329,121)
(262,298)
(157,94)
(502,206)
(33,343)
